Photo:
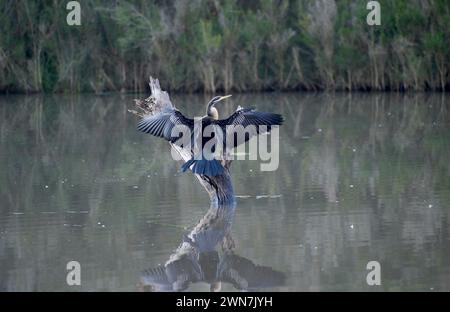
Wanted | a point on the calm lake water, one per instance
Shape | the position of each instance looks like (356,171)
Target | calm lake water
(361,178)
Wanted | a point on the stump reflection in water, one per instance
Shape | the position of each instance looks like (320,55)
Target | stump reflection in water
(207,255)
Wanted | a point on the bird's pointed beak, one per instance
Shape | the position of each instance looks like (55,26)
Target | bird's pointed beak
(224,97)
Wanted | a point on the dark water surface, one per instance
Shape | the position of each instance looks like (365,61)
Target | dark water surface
(361,178)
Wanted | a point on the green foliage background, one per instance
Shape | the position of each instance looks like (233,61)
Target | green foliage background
(211,46)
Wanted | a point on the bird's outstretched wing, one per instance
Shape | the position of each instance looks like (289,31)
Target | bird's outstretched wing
(156,278)
(162,124)
(246,123)
(243,274)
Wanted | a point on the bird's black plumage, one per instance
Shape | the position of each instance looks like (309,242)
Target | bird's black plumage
(246,121)
(247,117)
(162,124)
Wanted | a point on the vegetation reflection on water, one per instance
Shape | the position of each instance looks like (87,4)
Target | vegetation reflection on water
(361,178)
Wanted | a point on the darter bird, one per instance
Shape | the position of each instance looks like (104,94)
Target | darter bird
(162,124)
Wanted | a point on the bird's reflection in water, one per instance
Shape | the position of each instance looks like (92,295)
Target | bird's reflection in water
(206,254)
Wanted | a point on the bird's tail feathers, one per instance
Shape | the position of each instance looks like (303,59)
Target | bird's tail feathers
(187,164)
(204,167)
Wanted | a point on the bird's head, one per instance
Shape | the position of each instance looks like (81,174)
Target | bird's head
(211,111)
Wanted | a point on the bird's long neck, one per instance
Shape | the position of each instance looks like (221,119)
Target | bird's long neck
(212,112)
